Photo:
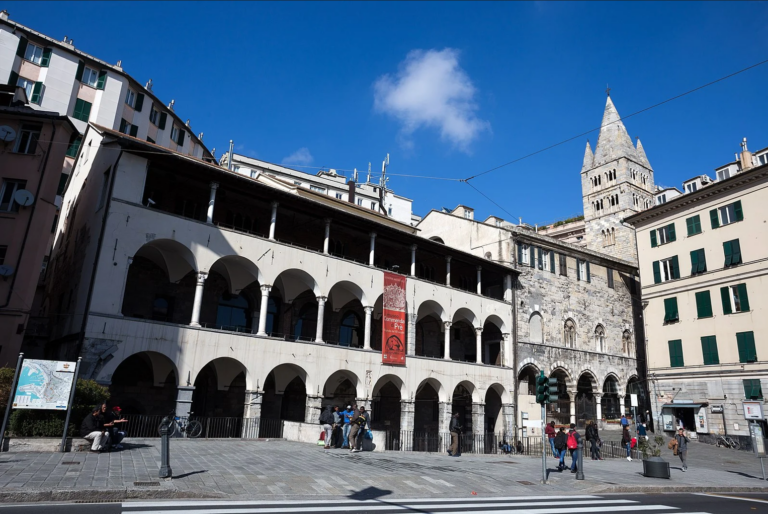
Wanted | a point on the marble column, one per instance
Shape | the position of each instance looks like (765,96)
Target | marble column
(572,396)
(598,410)
(448,270)
(621,405)
(447,348)
(320,318)
(444,410)
(265,289)
(407,419)
(479,344)
(508,288)
(314,406)
(479,280)
(505,352)
(413,260)
(367,333)
(251,414)
(273,221)
(410,346)
(211,202)
(326,241)
(372,251)
(198,302)
(478,418)
(508,412)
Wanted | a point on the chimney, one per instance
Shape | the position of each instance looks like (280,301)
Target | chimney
(4,15)
(746,156)
(352,191)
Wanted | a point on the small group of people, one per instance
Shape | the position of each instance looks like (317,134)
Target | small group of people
(102,428)
(507,449)
(562,442)
(344,429)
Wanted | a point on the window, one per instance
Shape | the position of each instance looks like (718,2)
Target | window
(563,265)
(600,339)
(703,304)
(350,333)
(34,54)
(698,261)
(569,334)
(670,310)
(339,196)
(373,206)
(691,188)
(732,251)
(74,145)
(582,270)
(317,188)
(752,389)
(609,276)
(28,137)
(162,308)
(360,202)
(723,174)
(130,98)
(676,353)
(628,344)
(90,77)
(154,116)
(26,84)
(661,199)
(82,110)
(295,182)
(7,203)
(664,270)
(128,128)
(3,252)
(177,135)
(709,350)
(746,343)
(545,260)
(663,235)
(535,328)
(735,298)
(726,214)
(389,211)
(694,225)
(467,214)
(762,159)
(233,312)
(523,254)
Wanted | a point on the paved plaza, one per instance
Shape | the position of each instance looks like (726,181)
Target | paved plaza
(237,469)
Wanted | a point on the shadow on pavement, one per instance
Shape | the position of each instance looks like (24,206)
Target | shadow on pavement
(745,474)
(369,493)
(184,475)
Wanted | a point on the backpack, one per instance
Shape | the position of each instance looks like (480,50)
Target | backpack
(560,442)
(326,417)
(573,444)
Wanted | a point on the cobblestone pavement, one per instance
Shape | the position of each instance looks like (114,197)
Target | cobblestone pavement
(236,469)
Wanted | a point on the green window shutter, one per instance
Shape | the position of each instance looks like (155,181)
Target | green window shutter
(163,117)
(702,261)
(703,304)
(46,59)
(139,102)
(739,211)
(736,252)
(74,146)
(713,218)
(743,297)
(13,80)
(551,262)
(538,250)
(589,279)
(82,110)
(728,251)
(670,310)
(746,344)
(123,123)
(22,48)
(725,296)
(610,277)
(134,130)
(86,110)
(37,93)
(694,262)
(578,269)
(519,254)
(656,272)
(693,225)
(78,109)
(675,267)
(752,389)
(709,350)
(654,244)
(80,69)
(676,353)
(102,79)
(671,232)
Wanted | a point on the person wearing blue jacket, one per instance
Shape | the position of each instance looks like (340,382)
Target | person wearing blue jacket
(347,415)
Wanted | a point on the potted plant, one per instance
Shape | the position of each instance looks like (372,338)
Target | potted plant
(653,465)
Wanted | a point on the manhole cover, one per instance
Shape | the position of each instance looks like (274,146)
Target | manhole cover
(147,484)
(525,482)
(69,462)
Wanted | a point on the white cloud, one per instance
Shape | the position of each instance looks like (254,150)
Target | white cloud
(300,157)
(431,90)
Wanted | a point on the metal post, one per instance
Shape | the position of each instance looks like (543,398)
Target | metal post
(762,466)
(69,406)
(10,401)
(580,460)
(543,448)
(165,449)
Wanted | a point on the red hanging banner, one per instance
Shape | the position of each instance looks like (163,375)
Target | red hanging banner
(393,325)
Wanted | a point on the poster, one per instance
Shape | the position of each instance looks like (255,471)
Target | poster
(393,321)
(44,385)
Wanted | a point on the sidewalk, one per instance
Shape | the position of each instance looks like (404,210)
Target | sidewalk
(237,469)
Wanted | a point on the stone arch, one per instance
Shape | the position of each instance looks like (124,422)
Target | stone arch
(286,388)
(442,394)
(529,361)
(171,256)
(498,322)
(220,388)
(592,376)
(428,307)
(292,282)
(559,365)
(348,291)
(506,396)
(494,409)
(238,271)
(393,379)
(465,314)
(570,333)
(337,378)
(437,239)
(387,395)
(472,389)
(144,383)
(536,327)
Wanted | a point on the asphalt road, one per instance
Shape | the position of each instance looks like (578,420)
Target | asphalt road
(737,503)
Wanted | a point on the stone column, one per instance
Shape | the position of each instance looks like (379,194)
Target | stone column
(479,339)
(410,347)
(273,221)
(572,396)
(320,318)
(479,280)
(367,333)
(508,288)
(504,349)
(413,260)
(251,414)
(447,349)
(478,418)
(448,270)
(621,405)
(211,202)
(314,406)
(508,411)
(372,251)
(201,276)
(265,289)
(444,417)
(184,400)
(407,412)
(598,410)
(326,241)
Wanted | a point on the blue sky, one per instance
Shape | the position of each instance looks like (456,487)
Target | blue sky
(447,89)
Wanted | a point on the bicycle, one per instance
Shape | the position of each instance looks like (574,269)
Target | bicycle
(185,427)
(728,442)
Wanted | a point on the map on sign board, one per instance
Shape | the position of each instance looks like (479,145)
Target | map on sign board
(44,385)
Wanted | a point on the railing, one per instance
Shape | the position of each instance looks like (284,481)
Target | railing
(212,427)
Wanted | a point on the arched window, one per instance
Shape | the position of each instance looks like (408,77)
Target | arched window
(569,334)
(162,308)
(233,312)
(628,344)
(537,334)
(273,315)
(600,338)
(306,324)
(350,333)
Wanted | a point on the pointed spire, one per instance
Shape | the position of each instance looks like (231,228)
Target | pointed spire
(613,142)
(641,157)
(588,158)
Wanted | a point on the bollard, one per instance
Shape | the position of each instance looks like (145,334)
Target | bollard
(165,449)
(580,460)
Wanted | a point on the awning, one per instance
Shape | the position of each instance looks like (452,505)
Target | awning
(683,405)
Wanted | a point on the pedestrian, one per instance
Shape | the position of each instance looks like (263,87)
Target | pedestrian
(624,421)
(347,415)
(642,435)
(326,419)
(549,429)
(561,445)
(519,447)
(682,447)
(593,438)
(115,417)
(573,445)
(626,441)
(505,447)
(357,428)
(92,429)
(455,429)
(337,436)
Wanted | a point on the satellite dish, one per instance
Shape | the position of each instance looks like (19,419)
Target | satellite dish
(6,270)
(7,134)
(23,197)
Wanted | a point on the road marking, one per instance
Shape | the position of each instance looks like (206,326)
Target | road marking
(718,495)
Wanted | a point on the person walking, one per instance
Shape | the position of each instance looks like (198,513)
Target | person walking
(561,445)
(455,429)
(357,427)
(326,419)
(594,440)
(549,430)
(642,435)
(573,445)
(626,441)
(347,415)
(624,421)
(682,447)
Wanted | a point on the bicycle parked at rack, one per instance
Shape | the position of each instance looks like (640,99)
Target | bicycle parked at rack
(728,442)
(182,427)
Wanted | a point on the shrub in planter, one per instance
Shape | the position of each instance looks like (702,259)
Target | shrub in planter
(653,465)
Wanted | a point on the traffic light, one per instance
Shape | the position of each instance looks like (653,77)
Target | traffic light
(553,390)
(542,389)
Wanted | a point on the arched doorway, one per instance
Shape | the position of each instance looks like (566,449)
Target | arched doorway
(340,389)
(610,401)
(560,411)
(144,384)
(219,395)
(586,408)
(387,409)
(461,402)
(285,394)
(426,417)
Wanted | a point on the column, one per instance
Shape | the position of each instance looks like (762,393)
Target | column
(504,348)
(251,415)
(273,220)
(184,400)
(598,410)
(479,280)
(314,406)
(413,260)
(407,412)
(447,349)
(265,289)
(444,413)
(508,288)
(372,251)
(320,316)
(212,201)
(327,235)
(478,418)
(572,396)
(479,339)
(367,336)
(410,346)
(448,270)
(621,405)
(201,276)
(508,411)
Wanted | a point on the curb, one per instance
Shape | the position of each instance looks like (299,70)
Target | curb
(103,495)
(674,489)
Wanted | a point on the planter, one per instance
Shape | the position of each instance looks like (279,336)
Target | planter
(656,467)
